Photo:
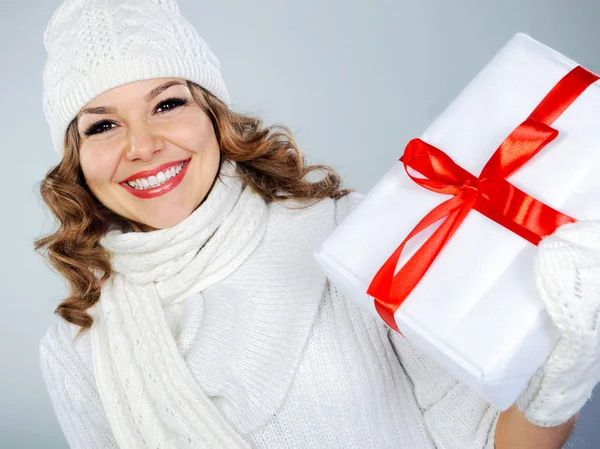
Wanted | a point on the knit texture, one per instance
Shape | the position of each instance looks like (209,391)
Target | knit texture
(567,271)
(287,361)
(94,46)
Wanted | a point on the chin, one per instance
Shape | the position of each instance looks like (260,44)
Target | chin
(167,220)
(166,217)
(165,224)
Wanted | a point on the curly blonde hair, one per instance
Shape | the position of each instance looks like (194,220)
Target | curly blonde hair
(268,160)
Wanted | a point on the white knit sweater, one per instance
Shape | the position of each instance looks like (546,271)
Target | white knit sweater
(337,378)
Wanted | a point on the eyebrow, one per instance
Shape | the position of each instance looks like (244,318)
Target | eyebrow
(148,97)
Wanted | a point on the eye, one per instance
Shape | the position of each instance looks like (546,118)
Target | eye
(98,128)
(170,104)
(167,105)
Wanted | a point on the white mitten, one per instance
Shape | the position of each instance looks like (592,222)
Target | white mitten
(567,270)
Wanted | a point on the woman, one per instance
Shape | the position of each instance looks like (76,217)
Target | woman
(196,315)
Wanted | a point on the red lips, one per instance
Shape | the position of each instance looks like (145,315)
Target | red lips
(154,171)
(153,192)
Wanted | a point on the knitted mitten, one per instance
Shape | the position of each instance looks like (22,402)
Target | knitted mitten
(567,270)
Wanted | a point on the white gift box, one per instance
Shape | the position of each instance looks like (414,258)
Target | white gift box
(477,311)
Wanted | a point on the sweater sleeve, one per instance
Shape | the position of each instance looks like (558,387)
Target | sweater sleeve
(72,389)
(455,417)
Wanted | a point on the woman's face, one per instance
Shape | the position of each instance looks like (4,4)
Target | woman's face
(148,151)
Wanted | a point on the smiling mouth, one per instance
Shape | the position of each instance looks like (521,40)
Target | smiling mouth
(159,184)
(156,180)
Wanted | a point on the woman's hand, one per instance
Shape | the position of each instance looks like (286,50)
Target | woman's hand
(567,270)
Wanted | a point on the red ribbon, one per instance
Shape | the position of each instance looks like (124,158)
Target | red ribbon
(490,194)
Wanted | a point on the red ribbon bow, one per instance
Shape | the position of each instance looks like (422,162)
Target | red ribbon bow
(490,194)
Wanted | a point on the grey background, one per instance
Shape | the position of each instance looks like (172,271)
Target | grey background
(354,80)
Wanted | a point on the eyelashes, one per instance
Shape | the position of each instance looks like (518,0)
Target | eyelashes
(173,103)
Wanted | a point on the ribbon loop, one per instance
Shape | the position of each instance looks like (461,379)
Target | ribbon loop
(442,174)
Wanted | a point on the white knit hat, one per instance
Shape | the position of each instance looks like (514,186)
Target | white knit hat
(96,45)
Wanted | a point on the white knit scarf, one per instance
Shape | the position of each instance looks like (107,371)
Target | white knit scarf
(150,397)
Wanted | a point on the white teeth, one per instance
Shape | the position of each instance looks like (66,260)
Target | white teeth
(153,181)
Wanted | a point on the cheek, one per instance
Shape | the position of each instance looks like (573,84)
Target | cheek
(194,132)
(97,166)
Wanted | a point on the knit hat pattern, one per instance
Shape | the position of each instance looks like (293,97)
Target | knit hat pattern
(96,45)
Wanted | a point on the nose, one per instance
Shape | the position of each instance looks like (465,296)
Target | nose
(143,143)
